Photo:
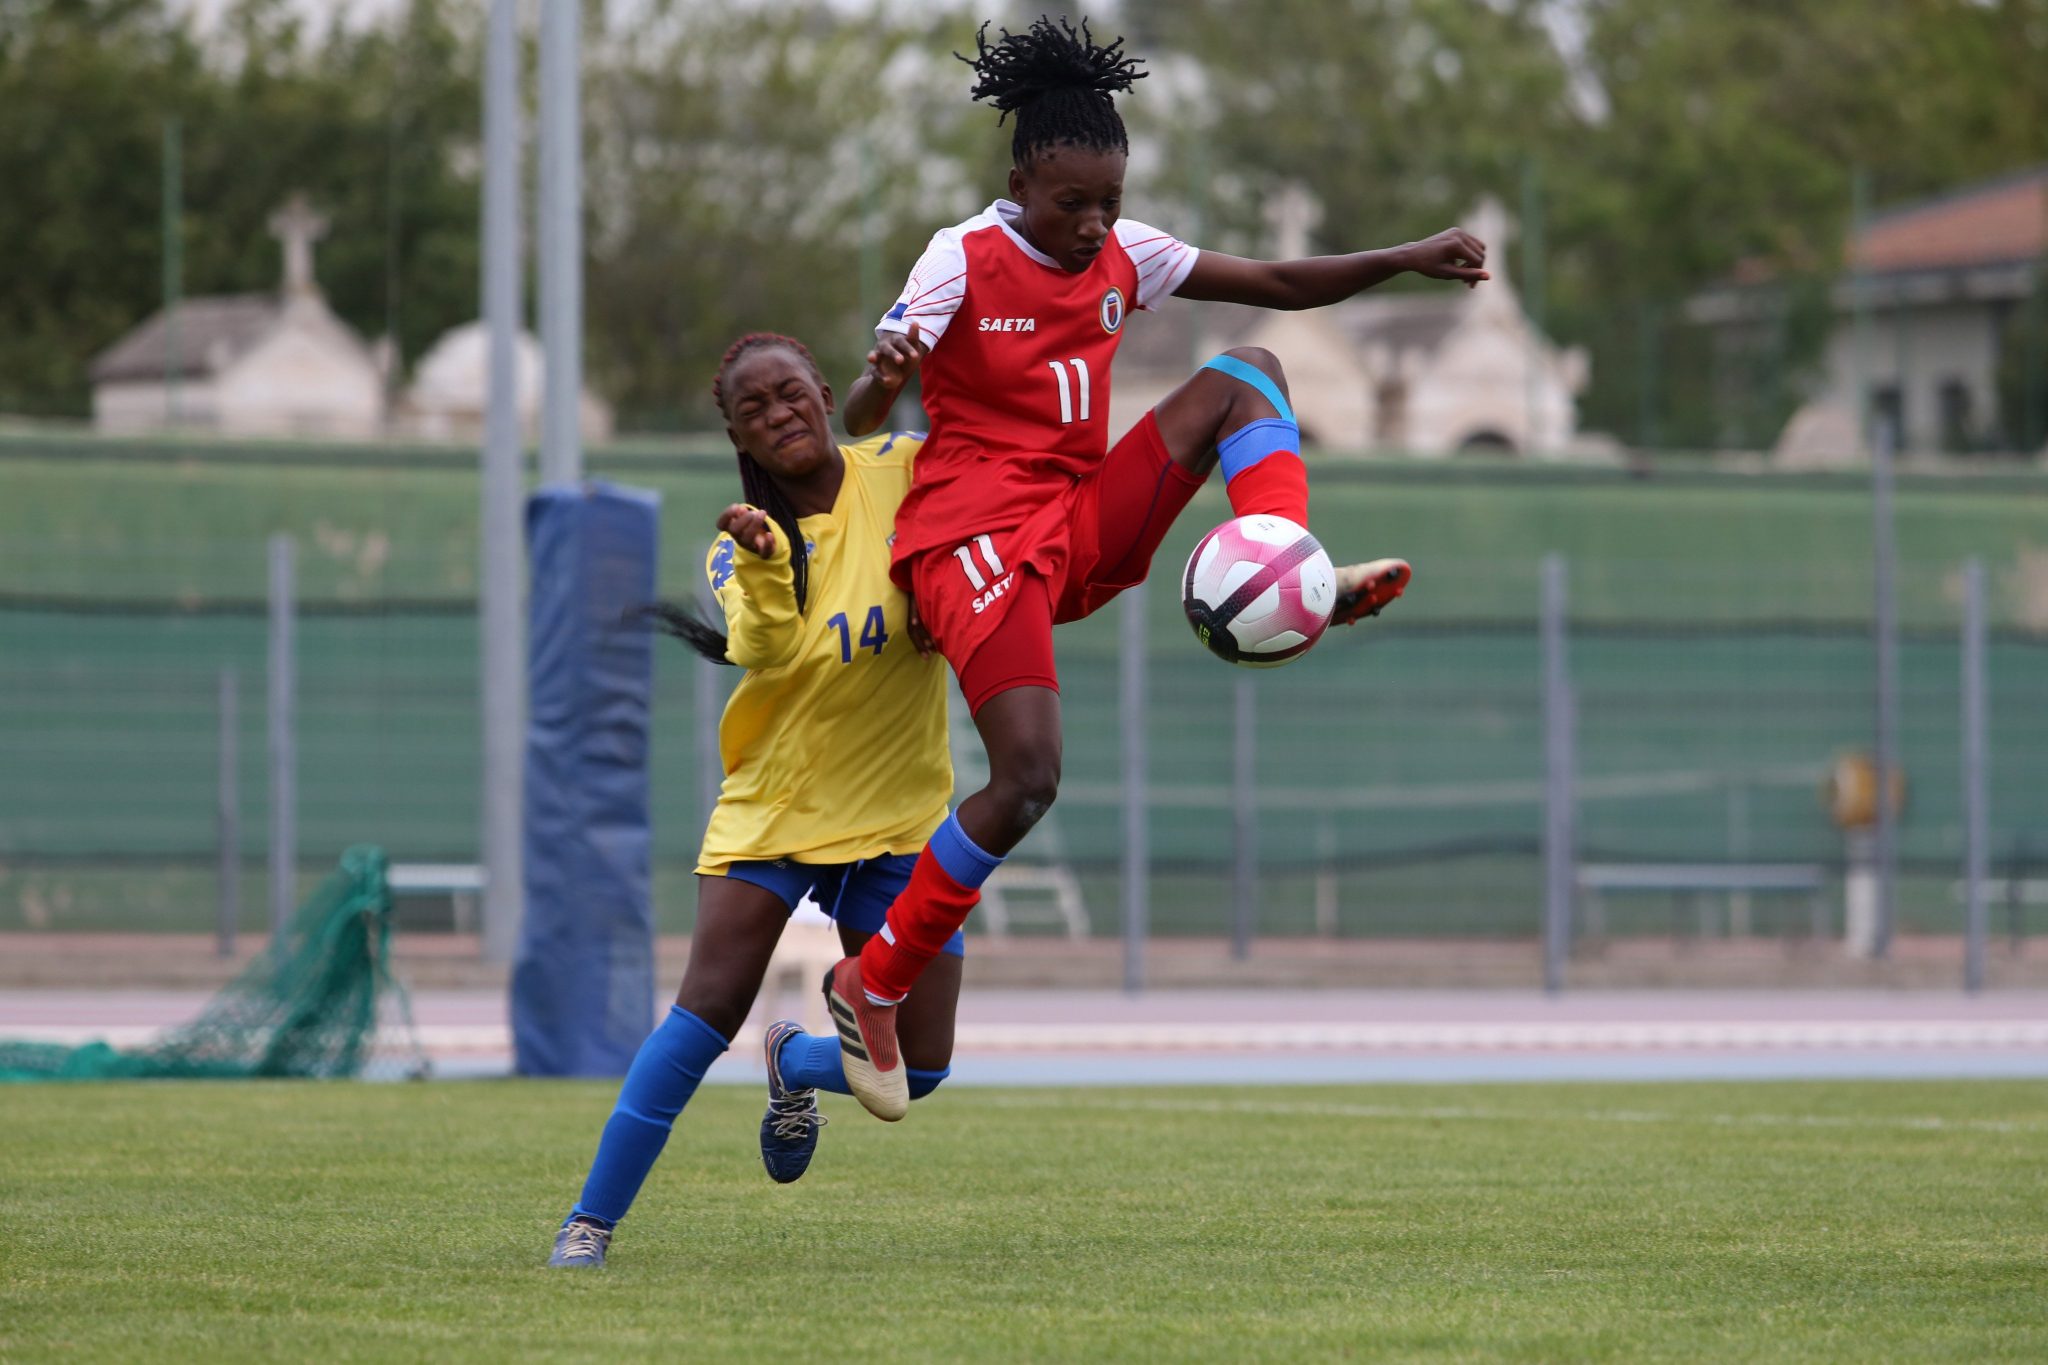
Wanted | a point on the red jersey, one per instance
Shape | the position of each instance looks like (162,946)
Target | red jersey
(1017,381)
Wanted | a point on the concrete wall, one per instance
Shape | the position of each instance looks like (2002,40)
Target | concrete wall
(298,382)
(1331,392)
(1919,349)
(145,406)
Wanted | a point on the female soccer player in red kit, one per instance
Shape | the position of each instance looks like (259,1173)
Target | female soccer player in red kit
(1017,519)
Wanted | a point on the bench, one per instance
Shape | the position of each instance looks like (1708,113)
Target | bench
(1693,883)
(461,883)
(2016,894)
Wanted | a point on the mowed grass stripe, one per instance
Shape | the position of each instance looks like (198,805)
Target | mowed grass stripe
(1623,1223)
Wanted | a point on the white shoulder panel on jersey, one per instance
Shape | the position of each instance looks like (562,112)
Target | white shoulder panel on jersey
(1162,259)
(937,283)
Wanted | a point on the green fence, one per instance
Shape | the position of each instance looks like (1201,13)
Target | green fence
(1721,648)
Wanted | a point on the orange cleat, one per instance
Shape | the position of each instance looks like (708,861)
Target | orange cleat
(1365,589)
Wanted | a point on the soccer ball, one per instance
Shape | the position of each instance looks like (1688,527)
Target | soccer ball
(1258,591)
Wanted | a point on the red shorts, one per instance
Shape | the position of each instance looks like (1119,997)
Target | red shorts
(991,601)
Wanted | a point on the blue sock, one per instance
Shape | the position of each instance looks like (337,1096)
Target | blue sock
(664,1075)
(812,1061)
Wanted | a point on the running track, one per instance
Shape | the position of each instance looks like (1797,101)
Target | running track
(1267,1037)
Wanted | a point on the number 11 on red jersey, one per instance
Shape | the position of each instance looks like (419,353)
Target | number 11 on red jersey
(1080,382)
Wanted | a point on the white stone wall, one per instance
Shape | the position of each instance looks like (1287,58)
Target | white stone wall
(1479,383)
(1330,390)
(298,382)
(137,407)
(1928,346)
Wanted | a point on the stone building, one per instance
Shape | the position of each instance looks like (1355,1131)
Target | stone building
(1430,372)
(247,364)
(1942,282)
(284,364)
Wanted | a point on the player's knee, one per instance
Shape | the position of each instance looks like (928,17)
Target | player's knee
(723,1017)
(1028,792)
(1263,360)
(923,1080)
(721,1003)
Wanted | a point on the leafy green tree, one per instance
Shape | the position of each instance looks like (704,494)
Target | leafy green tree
(757,167)
(1396,116)
(380,128)
(1730,136)
(85,85)
(376,126)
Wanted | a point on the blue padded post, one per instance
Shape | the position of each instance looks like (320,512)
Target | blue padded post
(583,984)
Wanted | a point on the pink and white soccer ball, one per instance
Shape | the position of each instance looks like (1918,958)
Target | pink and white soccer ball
(1258,591)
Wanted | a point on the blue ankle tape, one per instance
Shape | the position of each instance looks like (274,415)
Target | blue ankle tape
(1254,376)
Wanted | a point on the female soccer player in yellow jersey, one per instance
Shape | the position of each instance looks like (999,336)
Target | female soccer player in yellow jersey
(836,771)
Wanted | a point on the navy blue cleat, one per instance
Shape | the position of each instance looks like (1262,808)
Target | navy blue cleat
(789,1130)
(581,1242)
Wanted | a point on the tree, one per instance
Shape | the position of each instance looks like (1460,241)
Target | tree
(86,85)
(371,124)
(757,168)
(1396,116)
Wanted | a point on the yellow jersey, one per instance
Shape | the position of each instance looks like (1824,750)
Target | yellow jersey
(834,743)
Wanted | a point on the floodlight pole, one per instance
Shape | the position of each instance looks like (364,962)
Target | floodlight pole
(1532,299)
(501,576)
(561,240)
(174,263)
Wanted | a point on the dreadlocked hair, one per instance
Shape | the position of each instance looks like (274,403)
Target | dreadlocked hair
(1057,82)
(760,489)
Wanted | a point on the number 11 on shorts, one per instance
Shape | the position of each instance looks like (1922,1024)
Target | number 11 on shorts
(988,553)
(1080,382)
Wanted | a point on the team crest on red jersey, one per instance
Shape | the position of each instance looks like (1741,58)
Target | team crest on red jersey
(1112,309)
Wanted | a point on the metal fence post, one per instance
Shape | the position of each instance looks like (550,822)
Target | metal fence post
(1976,784)
(1326,877)
(1560,870)
(1244,822)
(1137,833)
(710,768)
(1885,556)
(560,219)
(229,812)
(500,592)
(284,758)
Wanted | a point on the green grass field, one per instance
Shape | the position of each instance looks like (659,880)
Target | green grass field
(1852,1222)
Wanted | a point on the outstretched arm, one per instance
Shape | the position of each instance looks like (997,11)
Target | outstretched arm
(895,358)
(1315,281)
(752,580)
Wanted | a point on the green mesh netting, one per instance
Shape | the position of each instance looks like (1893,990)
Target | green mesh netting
(311,1009)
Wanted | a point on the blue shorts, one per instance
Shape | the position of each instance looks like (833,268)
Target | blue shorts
(856,895)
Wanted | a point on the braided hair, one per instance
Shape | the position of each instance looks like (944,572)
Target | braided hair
(760,489)
(1058,83)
